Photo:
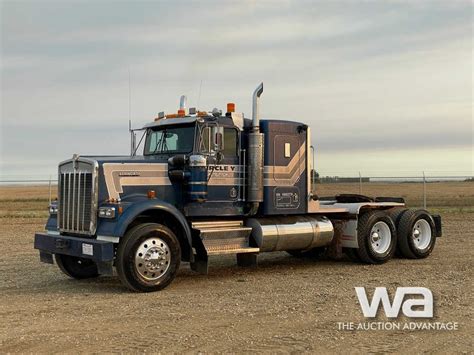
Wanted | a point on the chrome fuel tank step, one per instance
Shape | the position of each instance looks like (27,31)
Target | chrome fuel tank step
(224,237)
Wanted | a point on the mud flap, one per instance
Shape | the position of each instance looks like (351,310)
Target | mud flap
(200,265)
(46,257)
(439,229)
(105,268)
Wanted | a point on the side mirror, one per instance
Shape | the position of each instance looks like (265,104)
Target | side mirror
(218,137)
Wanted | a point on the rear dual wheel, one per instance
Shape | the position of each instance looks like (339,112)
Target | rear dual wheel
(376,237)
(411,232)
(396,214)
(416,234)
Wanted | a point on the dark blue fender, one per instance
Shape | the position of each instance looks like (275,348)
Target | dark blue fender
(137,208)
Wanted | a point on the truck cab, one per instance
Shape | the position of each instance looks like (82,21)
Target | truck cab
(216,141)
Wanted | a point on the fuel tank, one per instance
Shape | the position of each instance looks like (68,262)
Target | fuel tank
(197,184)
(291,232)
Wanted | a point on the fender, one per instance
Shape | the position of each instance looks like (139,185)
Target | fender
(348,232)
(133,211)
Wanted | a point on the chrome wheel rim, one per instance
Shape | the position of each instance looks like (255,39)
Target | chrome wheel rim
(421,234)
(152,259)
(380,237)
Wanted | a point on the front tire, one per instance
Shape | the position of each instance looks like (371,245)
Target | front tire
(148,257)
(416,234)
(75,267)
(376,236)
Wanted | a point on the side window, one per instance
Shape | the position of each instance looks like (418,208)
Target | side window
(170,141)
(230,142)
(153,142)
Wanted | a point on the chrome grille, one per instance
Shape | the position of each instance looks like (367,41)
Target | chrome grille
(76,209)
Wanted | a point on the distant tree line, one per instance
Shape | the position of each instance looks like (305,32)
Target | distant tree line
(315,178)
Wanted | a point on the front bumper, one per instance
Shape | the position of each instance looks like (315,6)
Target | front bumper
(100,251)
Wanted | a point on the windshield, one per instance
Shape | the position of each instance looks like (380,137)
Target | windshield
(169,140)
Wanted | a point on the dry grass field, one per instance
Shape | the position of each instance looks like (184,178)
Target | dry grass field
(284,305)
(458,195)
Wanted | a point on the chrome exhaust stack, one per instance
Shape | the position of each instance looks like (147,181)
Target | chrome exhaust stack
(182,102)
(255,108)
(255,160)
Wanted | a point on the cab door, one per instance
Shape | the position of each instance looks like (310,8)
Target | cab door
(224,171)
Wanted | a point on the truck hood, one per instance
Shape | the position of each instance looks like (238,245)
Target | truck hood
(101,159)
(124,177)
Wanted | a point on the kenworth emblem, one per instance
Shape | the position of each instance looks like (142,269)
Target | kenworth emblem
(129,173)
(75,158)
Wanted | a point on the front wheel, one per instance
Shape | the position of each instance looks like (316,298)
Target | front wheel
(148,257)
(376,236)
(75,267)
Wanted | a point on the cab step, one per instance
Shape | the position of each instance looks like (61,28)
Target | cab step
(224,237)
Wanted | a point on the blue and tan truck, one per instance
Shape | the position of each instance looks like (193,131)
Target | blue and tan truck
(209,184)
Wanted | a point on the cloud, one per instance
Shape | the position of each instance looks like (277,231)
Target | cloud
(363,74)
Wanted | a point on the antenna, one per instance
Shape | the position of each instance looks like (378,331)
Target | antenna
(132,133)
(129,96)
(132,138)
(199,96)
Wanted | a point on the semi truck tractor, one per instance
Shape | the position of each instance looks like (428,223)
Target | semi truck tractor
(210,183)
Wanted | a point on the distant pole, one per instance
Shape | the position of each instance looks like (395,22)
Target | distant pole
(424,190)
(50,189)
(199,96)
(132,147)
(132,142)
(360,184)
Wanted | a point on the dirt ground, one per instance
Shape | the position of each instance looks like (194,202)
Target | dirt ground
(284,305)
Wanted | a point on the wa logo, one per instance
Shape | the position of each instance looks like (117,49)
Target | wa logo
(415,302)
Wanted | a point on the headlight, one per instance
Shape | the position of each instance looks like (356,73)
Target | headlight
(53,209)
(107,212)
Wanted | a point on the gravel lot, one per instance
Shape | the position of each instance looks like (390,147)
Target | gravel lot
(284,305)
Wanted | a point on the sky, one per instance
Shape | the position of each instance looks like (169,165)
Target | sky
(386,86)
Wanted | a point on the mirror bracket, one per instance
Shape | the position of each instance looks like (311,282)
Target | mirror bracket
(217,133)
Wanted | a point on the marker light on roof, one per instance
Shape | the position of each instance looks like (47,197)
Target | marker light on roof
(161,116)
(230,107)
